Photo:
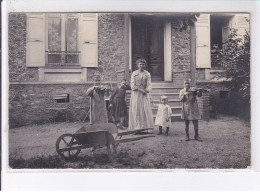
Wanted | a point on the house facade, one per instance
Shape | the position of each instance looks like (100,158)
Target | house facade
(54,56)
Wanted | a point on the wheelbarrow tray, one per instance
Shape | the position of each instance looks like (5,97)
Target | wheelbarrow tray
(97,135)
(98,138)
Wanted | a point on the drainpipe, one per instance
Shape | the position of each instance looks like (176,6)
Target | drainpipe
(193,55)
(126,22)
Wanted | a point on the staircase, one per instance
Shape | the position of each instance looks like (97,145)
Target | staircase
(167,89)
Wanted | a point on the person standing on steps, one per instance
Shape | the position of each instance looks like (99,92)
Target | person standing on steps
(190,110)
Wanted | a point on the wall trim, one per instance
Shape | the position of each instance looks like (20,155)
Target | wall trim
(167,51)
(59,83)
(212,81)
(130,42)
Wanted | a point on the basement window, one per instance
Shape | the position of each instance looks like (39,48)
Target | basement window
(62,98)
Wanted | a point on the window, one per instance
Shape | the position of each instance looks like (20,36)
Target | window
(61,98)
(58,40)
(62,40)
(219,31)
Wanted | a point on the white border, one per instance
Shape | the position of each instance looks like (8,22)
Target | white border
(120,179)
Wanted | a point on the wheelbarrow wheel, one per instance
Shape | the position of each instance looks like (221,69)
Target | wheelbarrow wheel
(68,146)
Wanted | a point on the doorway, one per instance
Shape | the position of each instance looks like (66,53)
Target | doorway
(148,43)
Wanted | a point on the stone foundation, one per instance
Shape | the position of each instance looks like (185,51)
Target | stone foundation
(35,104)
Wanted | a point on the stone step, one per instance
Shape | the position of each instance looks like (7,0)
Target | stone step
(164,93)
(157,89)
(170,95)
(166,84)
(175,109)
(174,117)
(171,102)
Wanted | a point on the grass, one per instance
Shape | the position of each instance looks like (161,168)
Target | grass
(226,144)
(121,160)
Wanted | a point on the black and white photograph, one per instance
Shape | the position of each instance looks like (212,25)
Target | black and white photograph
(146,90)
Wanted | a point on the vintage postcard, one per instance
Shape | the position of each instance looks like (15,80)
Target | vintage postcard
(128,90)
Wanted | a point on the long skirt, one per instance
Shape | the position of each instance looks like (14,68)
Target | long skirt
(140,112)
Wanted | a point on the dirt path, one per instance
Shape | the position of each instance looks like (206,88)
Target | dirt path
(226,144)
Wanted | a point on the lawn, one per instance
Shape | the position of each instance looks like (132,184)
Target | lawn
(226,144)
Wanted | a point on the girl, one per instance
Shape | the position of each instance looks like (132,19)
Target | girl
(163,117)
(118,104)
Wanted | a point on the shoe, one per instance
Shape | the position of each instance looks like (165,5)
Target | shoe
(166,133)
(198,139)
(160,131)
(187,138)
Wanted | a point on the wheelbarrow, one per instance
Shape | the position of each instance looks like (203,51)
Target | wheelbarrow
(68,146)
(93,136)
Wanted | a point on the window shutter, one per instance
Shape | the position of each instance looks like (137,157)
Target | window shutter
(35,51)
(203,41)
(88,34)
(242,24)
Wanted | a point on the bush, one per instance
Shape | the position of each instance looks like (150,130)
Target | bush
(234,58)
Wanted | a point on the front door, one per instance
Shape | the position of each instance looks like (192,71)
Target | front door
(147,43)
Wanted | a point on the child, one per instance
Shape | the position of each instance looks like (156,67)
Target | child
(190,109)
(98,106)
(163,117)
(118,104)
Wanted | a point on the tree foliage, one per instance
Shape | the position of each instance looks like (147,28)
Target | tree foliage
(188,20)
(234,57)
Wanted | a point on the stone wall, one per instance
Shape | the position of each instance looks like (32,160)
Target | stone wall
(181,58)
(218,104)
(111,45)
(17,50)
(35,104)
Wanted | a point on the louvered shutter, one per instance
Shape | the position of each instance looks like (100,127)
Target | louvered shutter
(203,41)
(88,34)
(35,52)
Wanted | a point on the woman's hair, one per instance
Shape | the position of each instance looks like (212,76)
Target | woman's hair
(141,60)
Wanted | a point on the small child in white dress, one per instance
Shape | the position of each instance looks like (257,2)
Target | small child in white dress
(163,116)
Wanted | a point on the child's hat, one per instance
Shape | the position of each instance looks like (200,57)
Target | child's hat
(164,97)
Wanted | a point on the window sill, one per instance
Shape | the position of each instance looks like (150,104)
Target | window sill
(62,70)
(62,75)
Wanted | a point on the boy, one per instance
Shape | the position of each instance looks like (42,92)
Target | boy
(163,116)
(98,107)
(190,109)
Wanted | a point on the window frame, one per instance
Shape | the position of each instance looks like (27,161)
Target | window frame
(64,17)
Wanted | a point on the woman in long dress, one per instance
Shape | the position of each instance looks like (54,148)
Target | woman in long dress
(140,112)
